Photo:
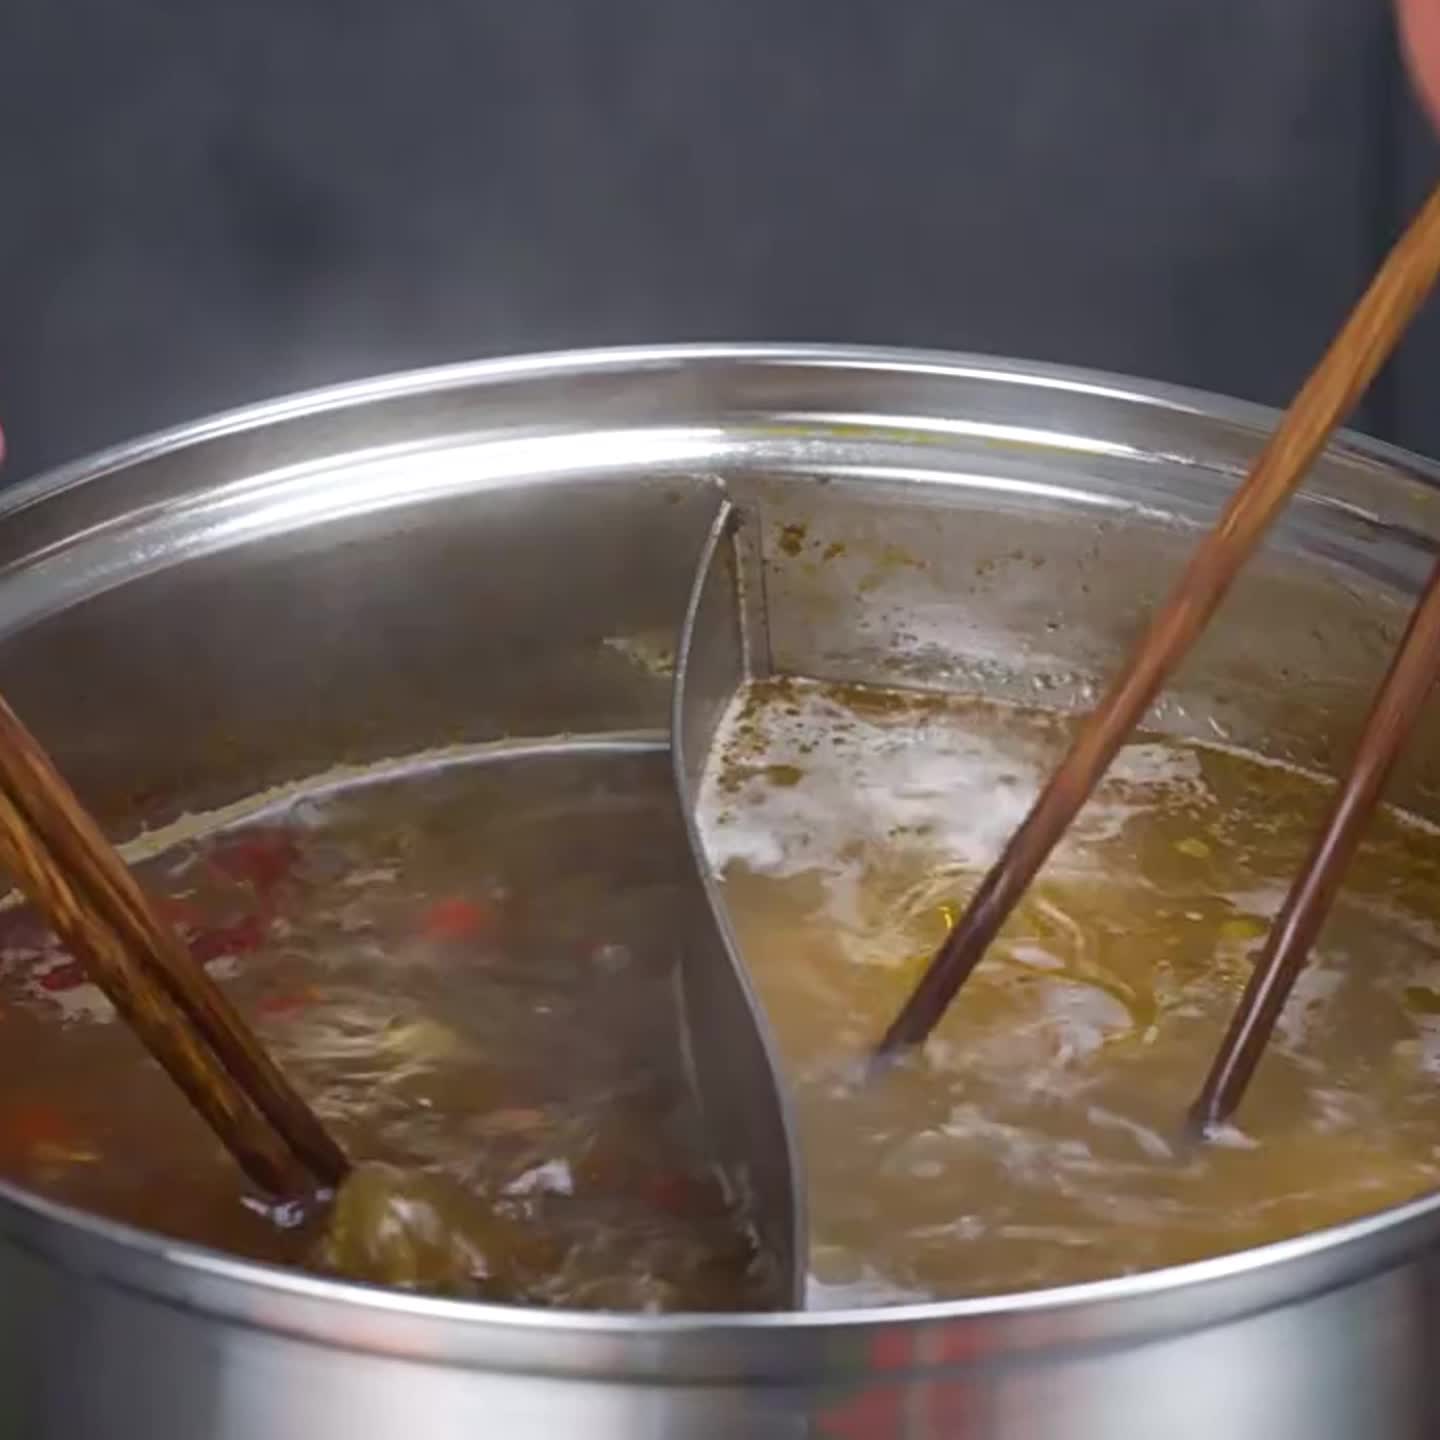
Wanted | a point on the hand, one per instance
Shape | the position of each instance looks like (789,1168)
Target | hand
(1420,34)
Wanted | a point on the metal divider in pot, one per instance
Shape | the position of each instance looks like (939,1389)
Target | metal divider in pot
(733,1060)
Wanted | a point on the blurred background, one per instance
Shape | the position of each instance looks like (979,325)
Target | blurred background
(206,204)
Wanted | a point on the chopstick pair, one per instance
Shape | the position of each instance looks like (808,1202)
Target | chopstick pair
(1355,356)
(63,863)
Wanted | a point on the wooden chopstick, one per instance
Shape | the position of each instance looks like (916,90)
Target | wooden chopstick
(73,875)
(1392,717)
(1364,343)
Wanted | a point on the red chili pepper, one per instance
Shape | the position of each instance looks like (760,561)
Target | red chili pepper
(236,939)
(288,1002)
(261,859)
(455,920)
(35,1122)
(67,976)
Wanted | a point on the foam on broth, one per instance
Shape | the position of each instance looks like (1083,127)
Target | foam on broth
(1037,1139)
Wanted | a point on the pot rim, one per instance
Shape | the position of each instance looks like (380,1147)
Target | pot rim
(712,1347)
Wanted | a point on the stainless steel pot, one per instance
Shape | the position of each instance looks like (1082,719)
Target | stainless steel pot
(504,550)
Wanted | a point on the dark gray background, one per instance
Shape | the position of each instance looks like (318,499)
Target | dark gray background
(203,204)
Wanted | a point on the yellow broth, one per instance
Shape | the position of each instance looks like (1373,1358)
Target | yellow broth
(1038,1138)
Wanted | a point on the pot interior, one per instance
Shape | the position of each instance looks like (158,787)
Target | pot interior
(502,557)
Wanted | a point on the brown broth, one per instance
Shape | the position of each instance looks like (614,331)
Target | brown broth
(466,970)
(1037,1139)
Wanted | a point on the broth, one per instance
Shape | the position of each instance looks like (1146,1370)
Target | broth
(469,977)
(465,967)
(1037,1138)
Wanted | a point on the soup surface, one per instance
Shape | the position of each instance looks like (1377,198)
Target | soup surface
(467,968)
(1037,1139)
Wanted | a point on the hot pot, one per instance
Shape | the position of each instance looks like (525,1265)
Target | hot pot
(503,551)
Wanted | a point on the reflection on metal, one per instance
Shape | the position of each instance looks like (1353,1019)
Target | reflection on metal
(736,1069)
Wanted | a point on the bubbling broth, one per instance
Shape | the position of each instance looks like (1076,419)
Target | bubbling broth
(469,971)
(1037,1138)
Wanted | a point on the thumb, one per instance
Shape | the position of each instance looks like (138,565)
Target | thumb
(1420,35)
